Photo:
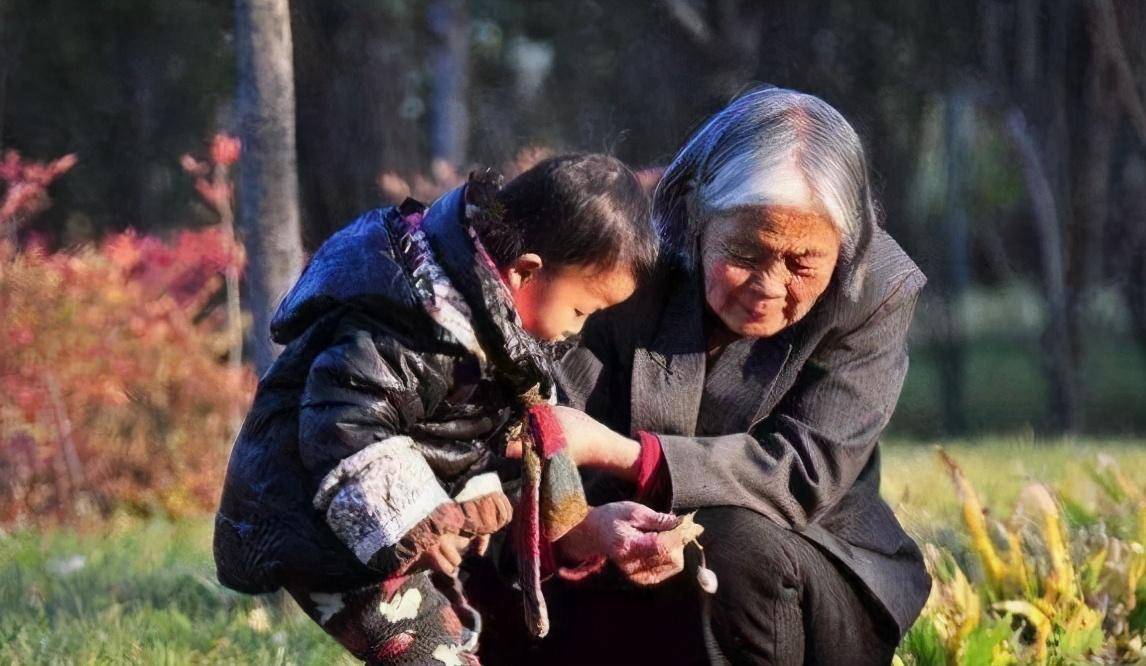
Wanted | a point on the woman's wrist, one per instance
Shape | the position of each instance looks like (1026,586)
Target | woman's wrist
(579,543)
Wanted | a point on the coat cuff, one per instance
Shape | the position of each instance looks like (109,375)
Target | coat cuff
(484,506)
(685,464)
(654,486)
(374,497)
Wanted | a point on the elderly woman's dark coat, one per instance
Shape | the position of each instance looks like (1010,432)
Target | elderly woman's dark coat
(786,427)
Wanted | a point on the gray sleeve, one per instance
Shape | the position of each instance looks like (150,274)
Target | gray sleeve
(797,463)
(583,373)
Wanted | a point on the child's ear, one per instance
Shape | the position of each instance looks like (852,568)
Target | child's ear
(521,270)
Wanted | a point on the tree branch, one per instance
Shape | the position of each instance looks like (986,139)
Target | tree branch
(691,22)
(1107,23)
(1042,204)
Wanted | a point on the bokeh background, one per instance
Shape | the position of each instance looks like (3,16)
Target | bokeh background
(164,170)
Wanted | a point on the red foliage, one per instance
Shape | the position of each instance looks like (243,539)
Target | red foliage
(225,149)
(179,269)
(212,177)
(114,390)
(26,187)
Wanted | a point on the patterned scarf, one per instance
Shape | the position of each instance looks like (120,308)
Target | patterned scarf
(460,287)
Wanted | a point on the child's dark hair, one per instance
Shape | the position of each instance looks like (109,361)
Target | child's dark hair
(574,210)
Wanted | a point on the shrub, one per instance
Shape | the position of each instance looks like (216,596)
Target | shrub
(114,386)
(25,191)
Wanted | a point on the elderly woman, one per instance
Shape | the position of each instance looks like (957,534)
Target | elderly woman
(750,383)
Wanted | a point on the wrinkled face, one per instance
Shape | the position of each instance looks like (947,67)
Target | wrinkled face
(554,302)
(765,267)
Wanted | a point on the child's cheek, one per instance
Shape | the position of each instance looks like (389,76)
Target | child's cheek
(546,327)
(526,303)
(542,320)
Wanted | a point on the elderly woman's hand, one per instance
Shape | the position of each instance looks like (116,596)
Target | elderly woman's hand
(630,535)
(592,444)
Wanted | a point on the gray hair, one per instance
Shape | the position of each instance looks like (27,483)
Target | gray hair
(770,146)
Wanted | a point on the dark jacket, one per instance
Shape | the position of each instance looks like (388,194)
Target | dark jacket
(381,410)
(786,426)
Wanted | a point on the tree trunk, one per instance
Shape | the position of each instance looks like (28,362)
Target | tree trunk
(1035,97)
(1126,241)
(359,113)
(1095,122)
(144,115)
(956,265)
(1059,356)
(1062,340)
(449,115)
(1132,207)
(268,179)
(7,55)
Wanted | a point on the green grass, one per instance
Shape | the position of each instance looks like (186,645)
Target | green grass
(144,592)
(919,489)
(140,593)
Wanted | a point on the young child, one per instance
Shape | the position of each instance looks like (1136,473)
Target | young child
(368,462)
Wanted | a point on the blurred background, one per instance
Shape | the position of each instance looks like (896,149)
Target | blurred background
(165,167)
(1008,140)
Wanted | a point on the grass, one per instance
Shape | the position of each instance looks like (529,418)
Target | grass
(920,490)
(140,592)
(144,592)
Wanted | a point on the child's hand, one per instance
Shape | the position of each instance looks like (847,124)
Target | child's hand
(445,556)
(482,516)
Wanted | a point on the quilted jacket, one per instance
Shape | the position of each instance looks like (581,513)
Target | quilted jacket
(375,429)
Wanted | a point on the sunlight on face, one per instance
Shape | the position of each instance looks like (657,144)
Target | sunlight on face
(554,303)
(764,268)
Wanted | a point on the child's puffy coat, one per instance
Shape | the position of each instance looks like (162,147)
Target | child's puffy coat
(371,434)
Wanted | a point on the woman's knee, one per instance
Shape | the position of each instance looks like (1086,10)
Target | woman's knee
(755,616)
(750,549)
(782,600)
